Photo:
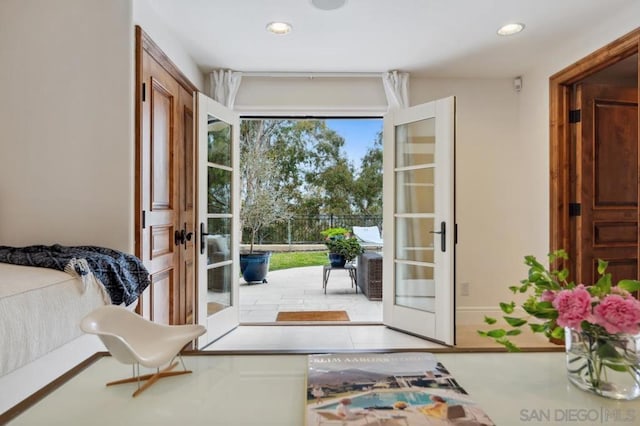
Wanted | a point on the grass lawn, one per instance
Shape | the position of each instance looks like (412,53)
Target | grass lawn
(297,259)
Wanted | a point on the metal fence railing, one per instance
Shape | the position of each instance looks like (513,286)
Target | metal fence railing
(306,229)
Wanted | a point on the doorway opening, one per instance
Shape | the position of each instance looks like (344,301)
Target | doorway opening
(314,174)
(594,143)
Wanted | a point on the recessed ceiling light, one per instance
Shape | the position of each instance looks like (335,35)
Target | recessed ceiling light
(328,4)
(510,29)
(279,27)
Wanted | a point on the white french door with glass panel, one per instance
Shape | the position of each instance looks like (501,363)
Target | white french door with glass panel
(218,211)
(419,221)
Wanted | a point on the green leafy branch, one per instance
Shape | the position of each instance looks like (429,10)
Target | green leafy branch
(539,279)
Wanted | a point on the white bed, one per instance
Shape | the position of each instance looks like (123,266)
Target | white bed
(40,337)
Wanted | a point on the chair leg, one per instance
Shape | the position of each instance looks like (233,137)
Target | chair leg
(151,378)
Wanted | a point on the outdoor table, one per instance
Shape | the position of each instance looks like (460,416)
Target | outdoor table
(350,268)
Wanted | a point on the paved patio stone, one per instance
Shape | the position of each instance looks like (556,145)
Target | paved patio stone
(300,289)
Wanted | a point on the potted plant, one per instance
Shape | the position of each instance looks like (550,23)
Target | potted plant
(263,201)
(343,247)
(598,322)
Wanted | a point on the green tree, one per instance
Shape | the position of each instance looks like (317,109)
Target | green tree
(263,200)
(312,169)
(328,175)
(367,188)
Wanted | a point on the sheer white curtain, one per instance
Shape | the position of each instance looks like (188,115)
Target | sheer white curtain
(396,87)
(224,86)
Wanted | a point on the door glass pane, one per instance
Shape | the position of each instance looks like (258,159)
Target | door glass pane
(415,208)
(218,190)
(218,240)
(218,142)
(219,288)
(415,287)
(416,143)
(414,241)
(415,190)
(219,175)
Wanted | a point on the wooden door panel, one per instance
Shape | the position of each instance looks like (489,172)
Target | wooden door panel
(606,179)
(615,154)
(615,233)
(161,288)
(161,167)
(161,240)
(144,303)
(188,292)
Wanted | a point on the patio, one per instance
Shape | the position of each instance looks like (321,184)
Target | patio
(300,289)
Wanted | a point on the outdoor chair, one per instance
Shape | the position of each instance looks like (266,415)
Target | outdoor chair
(368,236)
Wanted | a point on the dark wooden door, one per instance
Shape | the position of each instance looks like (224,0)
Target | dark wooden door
(165,213)
(605,175)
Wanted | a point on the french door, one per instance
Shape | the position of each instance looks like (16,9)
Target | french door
(218,224)
(419,220)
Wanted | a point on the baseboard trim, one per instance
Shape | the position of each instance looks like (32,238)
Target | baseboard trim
(469,315)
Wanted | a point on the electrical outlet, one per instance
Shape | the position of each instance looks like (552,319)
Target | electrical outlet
(464,289)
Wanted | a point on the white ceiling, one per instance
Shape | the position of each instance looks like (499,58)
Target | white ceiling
(425,37)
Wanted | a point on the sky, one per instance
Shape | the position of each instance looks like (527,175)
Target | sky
(358,133)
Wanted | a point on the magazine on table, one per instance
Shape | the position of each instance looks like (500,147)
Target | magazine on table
(406,388)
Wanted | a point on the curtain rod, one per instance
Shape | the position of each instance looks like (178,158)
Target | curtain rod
(312,74)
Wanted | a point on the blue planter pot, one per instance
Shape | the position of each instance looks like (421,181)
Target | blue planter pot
(337,260)
(255,266)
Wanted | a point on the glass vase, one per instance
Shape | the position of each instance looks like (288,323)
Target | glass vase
(605,364)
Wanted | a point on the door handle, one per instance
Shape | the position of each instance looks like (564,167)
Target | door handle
(443,236)
(203,242)
(178,237)
(182,237)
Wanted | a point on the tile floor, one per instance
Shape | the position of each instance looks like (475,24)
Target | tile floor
(317,338)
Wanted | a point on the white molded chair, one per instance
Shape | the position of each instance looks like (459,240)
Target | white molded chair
(134,340)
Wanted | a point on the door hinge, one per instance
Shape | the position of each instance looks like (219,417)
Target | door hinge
(575,209)
(144,219)
(574,116)
(144,92)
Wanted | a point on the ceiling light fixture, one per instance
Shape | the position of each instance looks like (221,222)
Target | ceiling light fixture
(510,29)
(328,4)
(279,27)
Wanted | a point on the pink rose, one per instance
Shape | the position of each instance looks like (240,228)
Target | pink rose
(574,306)
(547,296)
(618,315)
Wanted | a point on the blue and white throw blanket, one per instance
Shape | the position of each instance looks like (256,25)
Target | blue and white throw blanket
(123,275)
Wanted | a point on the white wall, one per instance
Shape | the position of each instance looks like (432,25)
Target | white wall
(309,96)
(157,29)
(66,146)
